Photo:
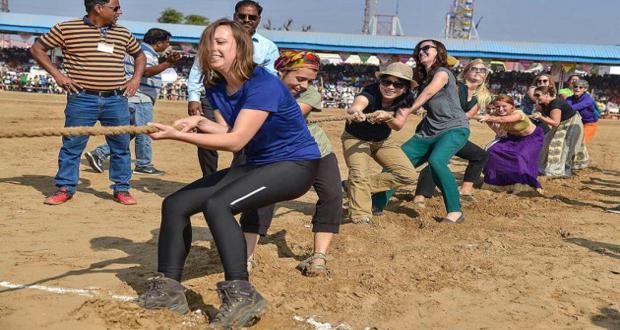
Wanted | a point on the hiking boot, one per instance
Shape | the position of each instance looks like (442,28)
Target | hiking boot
(148,170)
(241,305)
(95,161)
(60,196)
(124,197)
(164,293)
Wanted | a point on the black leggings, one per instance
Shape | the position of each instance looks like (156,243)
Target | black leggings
(471,152)
(328,211)
(220,196)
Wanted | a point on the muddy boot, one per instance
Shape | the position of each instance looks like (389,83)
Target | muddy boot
(164,293)
(241,305)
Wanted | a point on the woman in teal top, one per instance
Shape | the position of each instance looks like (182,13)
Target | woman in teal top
(443,131)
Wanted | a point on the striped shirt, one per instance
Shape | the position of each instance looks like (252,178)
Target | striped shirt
(85,64)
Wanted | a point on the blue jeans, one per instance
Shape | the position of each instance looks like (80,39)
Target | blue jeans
(140,115)
(85,110)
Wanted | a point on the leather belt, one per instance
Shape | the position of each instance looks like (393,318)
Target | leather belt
(113,92)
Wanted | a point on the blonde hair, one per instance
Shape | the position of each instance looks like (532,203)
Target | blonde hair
(243,65)
(482,92)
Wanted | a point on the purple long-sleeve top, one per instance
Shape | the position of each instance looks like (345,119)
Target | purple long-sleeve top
(585,106)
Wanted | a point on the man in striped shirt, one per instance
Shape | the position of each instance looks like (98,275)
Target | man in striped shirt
(141,105)
(93,49)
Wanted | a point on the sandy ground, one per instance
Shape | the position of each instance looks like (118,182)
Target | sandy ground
(541,262)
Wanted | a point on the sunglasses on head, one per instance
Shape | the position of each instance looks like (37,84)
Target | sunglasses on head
(542,81)
(426,48)
(385,82)
(478,70)
(114,8)
(244,17)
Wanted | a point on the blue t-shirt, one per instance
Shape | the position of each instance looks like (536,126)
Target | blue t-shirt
(284,135)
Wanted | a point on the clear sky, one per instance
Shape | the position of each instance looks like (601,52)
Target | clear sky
(564,21)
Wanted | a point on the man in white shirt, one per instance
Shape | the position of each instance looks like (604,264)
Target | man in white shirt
(247,13)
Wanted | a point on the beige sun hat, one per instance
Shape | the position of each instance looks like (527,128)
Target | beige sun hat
(397,69)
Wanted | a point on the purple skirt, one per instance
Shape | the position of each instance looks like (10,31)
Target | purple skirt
(514,159)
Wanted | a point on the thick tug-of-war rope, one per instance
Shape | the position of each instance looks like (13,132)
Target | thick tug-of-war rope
(118,130)
(80,130)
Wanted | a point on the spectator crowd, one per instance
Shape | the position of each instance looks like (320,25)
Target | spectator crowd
(338,83)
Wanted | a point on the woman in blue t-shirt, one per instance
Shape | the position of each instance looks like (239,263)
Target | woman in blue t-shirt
(254,112)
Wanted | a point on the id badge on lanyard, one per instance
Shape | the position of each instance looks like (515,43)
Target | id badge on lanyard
(103,46)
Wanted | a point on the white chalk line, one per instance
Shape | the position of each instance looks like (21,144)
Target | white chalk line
(322,326)
(60,290)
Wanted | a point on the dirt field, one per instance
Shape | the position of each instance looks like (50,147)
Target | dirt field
(517,262)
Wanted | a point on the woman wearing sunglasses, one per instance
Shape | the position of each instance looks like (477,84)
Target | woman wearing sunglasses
(443,131)
(363,141)
(582,102)
(563,149)
(474,95)
(297,70)
(529,101)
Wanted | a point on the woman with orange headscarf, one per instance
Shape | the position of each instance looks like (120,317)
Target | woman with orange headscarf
(297,70)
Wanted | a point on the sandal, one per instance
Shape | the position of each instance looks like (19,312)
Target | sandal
(310,269)
(468,198)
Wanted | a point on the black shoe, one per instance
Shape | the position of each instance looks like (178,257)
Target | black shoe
(345,188)
(95,161)
(150,170)
(241,305)
(614,210)
(164,293)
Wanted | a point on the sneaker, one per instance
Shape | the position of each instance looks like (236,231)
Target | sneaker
(164,293)
(148,170)
(241,305)
(124,197)
(614,210)
(95,161)
(361,221)
(60,196)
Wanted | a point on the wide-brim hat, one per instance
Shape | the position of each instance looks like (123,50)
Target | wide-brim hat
(398,70)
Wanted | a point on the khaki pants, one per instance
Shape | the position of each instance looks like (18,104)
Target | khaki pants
(357,154)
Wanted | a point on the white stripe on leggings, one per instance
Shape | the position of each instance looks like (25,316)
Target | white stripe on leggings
(247,195)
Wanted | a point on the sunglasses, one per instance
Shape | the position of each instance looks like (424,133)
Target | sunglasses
(542,81)
(114,8)
(426,48)
(478,70)
(244,17)
(579,87)
(387,82)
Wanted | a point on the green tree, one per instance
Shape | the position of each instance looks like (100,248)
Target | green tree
(170,15)
(196,20)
